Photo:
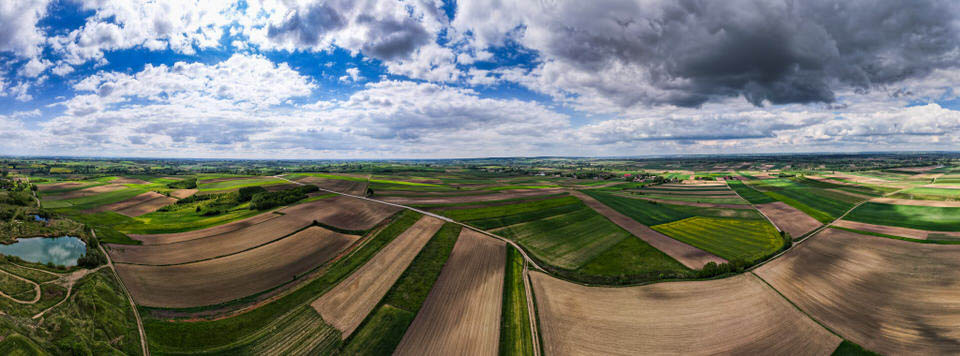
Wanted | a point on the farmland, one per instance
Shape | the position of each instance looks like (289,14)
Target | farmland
(571,256)
(909,216)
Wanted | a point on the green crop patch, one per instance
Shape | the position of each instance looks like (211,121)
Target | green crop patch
(732,239)
(645,212)
(568,240)
(910,216)
(505,210)
(750,194)
(926,193)
(697,199)
(515,335)
(823,205)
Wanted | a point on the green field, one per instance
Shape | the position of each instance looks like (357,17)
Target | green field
(234,334)
(695,199)
(925,193)
(497,216)
(240,183)
(382,330)
(750,194)
(515,335)
(93,201)
(915,217)
(732,239)
(821,204)
(645,212)
(568,240)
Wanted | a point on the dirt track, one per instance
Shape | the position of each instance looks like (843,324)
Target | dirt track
(788,218)
(738,315)
(934,203)
(461,315)
(889,296)
(347,304)
(228,278)
(687,255)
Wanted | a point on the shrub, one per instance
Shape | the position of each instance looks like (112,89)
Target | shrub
(246,193)
(188,183)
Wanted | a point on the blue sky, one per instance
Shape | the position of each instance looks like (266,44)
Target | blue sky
(436,79)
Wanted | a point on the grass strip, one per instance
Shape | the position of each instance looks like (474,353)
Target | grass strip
(382,330)
(515,337)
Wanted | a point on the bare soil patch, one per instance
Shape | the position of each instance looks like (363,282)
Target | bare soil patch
(944,186)
(337,185)
(461,315)
(228,278)
(689,256)
(738,315)
(182,193)
(917,169)
(788,218)
(211,246)
(141,204)
(278,187)
(86,192)
(895,230)
(692,185)
(890,296)
(350,213)
(935,203)
(125,180)
(226,179)
(347,304)
(701,193)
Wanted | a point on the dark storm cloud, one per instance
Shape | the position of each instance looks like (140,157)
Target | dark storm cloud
(392,39)
(779,51)
(307,26)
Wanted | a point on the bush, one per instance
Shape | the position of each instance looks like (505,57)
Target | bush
(267,200)
(247,193)
(188,183)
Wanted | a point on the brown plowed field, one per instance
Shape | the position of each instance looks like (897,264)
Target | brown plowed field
(351,213)
(471,198)
(182,193)
(687,255)
(852,194)
(212,246)
(337,185)
(225,179)
(689,186)
(788,218)
(894,230)
(892,297)
(738,316)
(125,180)
(159,239)
(461,315)
(342,212)
(141,204)
(936,203)
(278,187)
(228,278)
(346,305)
(86,192)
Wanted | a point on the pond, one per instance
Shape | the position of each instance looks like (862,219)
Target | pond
(63,251)
(39,218)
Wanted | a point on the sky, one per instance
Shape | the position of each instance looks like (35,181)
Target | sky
(364,79)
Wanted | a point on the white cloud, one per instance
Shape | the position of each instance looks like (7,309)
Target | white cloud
(34,67)
(353,75)
(18,27)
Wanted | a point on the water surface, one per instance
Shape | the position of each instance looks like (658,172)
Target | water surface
(63,251)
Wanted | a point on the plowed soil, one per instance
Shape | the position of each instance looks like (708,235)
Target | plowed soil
(182,193)
(690,203)
(347,304)
(125,180)
(58,186)
(461,315)
(337,185)
(228,278)
(159,239)
(889,296)
(86,192)
(141,204)
(689,256)
(788,218)
(738,315)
